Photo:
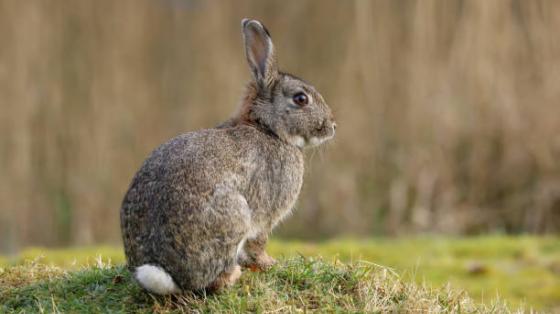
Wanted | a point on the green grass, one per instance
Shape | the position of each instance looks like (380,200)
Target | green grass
(522,271)
(294,285)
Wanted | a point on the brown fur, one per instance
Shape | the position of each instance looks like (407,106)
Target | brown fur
(244,114)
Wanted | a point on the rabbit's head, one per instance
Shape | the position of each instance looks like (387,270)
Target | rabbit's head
(278,102)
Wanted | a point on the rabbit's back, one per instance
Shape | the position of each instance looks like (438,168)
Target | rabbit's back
(192,165)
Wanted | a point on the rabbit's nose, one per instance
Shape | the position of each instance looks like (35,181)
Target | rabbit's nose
(334,126)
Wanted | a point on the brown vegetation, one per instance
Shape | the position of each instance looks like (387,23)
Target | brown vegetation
(448,111)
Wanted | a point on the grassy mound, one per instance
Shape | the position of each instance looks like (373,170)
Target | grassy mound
(294,285)
(523,271)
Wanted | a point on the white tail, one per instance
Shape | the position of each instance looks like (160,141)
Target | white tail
(155,279)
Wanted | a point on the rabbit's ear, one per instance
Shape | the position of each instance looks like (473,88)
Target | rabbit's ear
(260,52)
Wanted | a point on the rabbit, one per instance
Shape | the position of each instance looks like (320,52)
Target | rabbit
(203,204)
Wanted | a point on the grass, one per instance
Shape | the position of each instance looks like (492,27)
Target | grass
(520,271)
(524,270)
(295,285)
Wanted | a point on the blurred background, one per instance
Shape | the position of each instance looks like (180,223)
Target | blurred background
(448,111)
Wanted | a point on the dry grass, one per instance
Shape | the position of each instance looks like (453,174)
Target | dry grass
(448,110)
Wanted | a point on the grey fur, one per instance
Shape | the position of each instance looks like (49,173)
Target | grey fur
(201,194)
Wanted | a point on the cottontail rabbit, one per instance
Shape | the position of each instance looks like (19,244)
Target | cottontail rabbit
(204,203)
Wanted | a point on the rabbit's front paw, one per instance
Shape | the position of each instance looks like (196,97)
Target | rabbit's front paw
(262,263)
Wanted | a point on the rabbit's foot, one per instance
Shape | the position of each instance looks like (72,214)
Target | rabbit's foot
(262,263)
(226,279)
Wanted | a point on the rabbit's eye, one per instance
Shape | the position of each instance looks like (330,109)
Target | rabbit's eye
(301,99)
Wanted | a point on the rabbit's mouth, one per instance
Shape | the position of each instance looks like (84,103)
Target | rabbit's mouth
(323,134)
(313,137)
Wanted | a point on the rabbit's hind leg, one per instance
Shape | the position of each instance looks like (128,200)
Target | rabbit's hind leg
(226,221)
